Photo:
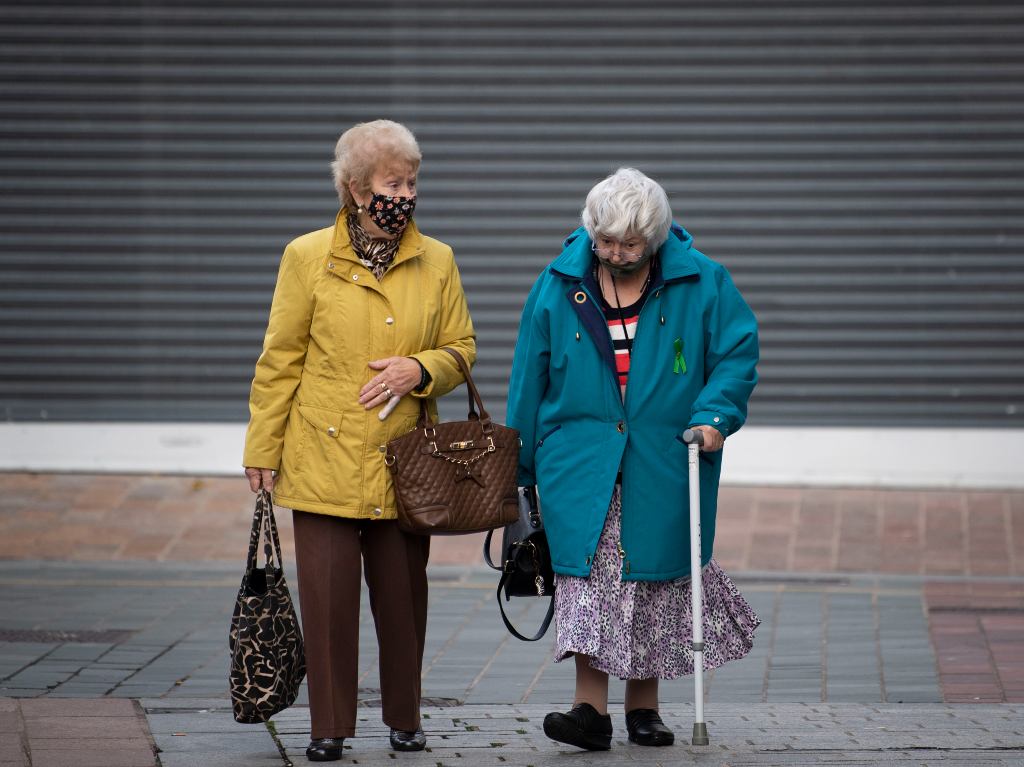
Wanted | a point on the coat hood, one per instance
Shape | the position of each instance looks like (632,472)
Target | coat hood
(675,255)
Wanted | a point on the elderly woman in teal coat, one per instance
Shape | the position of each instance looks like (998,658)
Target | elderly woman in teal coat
(627,339)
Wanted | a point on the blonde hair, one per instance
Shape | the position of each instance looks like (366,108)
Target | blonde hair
(365,147)
(628,202)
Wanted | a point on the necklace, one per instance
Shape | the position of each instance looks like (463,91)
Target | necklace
(618,304)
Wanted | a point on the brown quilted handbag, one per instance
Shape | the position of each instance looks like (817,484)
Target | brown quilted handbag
(456,476)
(268,660)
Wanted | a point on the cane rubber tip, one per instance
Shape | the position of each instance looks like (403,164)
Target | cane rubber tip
(700,734)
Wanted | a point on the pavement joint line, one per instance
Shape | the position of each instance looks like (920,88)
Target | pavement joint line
(452,637)
(272,729)
(32,663)
(786,584)
(490,662)
(770,649)
(549,658)
(155,658)
(453,575)
(876,617)
(823,650)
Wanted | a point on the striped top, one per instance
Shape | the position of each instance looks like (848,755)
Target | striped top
(622,338)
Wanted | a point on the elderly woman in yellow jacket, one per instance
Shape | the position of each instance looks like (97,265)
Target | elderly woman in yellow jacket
(360,314)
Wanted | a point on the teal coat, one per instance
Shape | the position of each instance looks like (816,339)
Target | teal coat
(694,362)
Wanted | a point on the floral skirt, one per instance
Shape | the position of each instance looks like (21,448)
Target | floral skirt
(642,629)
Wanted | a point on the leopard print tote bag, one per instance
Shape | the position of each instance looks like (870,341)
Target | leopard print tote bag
(268,662)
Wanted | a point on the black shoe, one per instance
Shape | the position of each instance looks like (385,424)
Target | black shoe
(582,727)
(407,740)
(646,728)
(324,749)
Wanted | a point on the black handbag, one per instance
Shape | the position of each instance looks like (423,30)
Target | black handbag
(268,660)
(525,562)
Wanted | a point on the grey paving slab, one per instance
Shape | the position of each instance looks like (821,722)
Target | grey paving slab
(818,636)
(758,734)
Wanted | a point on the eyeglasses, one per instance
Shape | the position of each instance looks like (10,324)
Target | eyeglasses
(608,247)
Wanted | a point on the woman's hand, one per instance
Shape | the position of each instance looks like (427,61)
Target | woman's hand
(713,439)
(397,377)
(260,478)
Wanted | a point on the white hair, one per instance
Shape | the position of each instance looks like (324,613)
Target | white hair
(628,203)
(365,147)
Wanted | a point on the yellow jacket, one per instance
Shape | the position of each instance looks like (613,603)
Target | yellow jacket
(330,317)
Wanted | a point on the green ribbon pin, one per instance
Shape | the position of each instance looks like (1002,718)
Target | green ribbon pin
(680,365)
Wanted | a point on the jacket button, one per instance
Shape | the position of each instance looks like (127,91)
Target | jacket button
(621,426)
(331,430)
(382,448)
(377,512)
(330,264)
(389,321)
(355,276)
(716,419)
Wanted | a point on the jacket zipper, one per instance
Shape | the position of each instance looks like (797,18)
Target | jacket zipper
(547,434)
(625,411)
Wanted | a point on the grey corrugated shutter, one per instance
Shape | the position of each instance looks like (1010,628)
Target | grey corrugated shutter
(857,165)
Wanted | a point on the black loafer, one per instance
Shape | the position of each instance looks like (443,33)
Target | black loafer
(582,727)
(646,728)
(407,740)
(324,749)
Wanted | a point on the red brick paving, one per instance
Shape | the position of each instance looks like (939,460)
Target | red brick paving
(977,626)
(920,532)
(59,732)
(977,629)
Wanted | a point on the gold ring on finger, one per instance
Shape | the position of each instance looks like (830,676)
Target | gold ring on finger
(383,386)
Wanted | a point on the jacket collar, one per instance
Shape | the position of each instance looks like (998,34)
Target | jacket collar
(409,246)
(674,256)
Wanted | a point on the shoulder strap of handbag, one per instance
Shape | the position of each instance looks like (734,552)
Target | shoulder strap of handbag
(512,629)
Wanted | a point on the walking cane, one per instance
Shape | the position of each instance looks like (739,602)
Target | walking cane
(694,439)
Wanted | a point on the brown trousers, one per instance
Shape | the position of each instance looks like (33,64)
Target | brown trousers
(328,552)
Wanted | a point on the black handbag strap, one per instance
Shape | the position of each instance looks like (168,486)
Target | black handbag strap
(487,553)
(512,629)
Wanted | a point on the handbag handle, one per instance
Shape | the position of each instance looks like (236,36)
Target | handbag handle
(475,401)
(487,555)
(263,521)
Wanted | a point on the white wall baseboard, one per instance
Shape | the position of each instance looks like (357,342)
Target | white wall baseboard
(875,457)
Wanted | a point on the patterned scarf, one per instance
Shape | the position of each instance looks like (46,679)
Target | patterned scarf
(376,255)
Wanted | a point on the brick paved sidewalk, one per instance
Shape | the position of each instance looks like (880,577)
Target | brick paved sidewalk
(943,535)
(78,517)
(943,619)
(74,733)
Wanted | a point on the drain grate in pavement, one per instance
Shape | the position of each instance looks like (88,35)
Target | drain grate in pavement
(111,636)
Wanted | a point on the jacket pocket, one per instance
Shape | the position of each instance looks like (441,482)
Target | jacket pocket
(322,420)
(322,455)
(547,434)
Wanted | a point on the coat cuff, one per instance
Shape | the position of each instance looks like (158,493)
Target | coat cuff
(711,418)
(427,391)
(255,459)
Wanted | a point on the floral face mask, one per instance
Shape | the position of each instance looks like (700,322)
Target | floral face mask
(391,214)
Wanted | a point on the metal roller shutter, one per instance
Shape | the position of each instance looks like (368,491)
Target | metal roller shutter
(859,166)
